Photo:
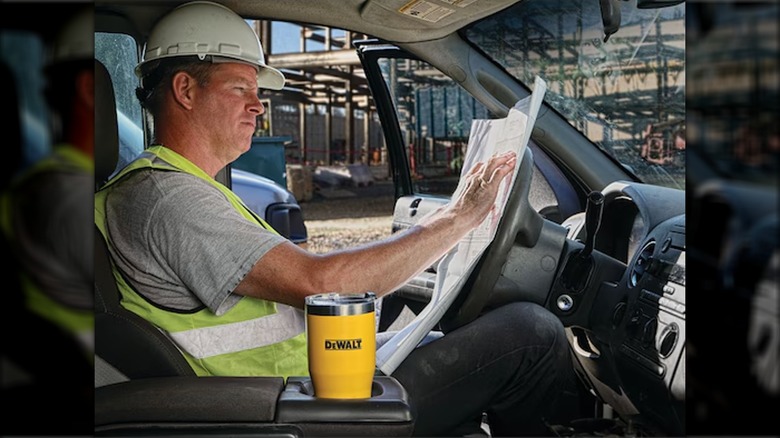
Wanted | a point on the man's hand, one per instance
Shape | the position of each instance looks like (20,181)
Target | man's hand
(482,184)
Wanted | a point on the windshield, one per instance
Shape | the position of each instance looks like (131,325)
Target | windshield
(627,95)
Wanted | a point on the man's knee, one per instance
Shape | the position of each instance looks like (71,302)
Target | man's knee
(531,324)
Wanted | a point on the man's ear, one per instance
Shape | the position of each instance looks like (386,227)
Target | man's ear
(183,86)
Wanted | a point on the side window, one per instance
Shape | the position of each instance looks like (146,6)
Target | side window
(435,116)
(323,130)
(119,53)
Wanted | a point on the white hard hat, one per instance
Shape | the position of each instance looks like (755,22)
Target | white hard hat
(206,29)
(75,41)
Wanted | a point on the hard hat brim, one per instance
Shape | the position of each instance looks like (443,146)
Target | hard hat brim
(268,78)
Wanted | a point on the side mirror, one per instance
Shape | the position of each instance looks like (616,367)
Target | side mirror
(287,220)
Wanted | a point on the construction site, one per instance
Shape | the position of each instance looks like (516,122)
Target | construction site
(324,121)
(323,117)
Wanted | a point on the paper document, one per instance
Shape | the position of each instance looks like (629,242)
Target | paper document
(487,138)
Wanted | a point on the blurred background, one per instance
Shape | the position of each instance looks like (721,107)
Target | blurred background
(47,72)
(732,158)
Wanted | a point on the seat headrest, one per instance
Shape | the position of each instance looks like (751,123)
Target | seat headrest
(106,129)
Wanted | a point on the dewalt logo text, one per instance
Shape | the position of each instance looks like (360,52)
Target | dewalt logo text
(343,344)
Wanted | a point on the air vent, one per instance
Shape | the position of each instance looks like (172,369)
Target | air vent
(642,263)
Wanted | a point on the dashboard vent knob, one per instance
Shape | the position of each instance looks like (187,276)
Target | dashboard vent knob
(641,263)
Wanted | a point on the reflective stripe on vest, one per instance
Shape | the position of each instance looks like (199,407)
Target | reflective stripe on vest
(222,339)
(77,321)
(254,338)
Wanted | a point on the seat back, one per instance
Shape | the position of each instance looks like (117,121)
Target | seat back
(124,342)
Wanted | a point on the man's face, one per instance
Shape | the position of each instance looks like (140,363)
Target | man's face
(229,107)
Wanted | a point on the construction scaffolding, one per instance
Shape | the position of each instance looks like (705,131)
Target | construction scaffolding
(328,111)
(647,59)
(325,107)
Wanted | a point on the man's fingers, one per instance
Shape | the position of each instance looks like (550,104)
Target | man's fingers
(483,173)
(500,165)
(476,168)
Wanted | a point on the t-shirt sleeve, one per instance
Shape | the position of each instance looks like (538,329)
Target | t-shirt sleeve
(196,233)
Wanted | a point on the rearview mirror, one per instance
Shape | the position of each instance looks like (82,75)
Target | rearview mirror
(610,12)
(610,17)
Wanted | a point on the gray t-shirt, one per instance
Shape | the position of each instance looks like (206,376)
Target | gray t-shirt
(181,244)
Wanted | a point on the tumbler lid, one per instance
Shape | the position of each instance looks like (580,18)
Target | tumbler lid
(336,304)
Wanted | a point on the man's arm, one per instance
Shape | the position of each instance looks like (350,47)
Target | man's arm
(288,273)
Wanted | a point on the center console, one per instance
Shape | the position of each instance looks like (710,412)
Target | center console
(652,342)
(387,413)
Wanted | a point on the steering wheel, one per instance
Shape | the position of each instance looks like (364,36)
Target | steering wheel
(520,224)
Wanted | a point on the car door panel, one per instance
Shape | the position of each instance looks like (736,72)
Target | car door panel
(408,211)
(411,208)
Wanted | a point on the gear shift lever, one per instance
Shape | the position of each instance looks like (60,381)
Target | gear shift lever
(577,271)
(592,221)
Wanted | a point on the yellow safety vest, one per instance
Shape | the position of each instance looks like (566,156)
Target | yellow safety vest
(254,338)
(79,322)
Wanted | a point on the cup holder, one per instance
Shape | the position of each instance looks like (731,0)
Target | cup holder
(305,387)
(388,404)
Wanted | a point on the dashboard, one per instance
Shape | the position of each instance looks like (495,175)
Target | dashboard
(622,229)
(627,324)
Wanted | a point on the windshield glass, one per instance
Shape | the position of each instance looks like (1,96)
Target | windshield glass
(627,95)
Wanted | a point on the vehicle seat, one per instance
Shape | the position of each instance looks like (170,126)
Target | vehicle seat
(144,350)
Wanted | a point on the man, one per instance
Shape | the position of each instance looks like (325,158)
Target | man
(193,260)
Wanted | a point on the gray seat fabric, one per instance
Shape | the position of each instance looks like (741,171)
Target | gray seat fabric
(106,374)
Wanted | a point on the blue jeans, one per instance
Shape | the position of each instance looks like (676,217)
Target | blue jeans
(511,363)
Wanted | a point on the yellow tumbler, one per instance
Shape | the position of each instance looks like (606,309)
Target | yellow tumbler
(341,341)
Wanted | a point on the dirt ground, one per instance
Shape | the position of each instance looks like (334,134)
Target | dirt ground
(344,217)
